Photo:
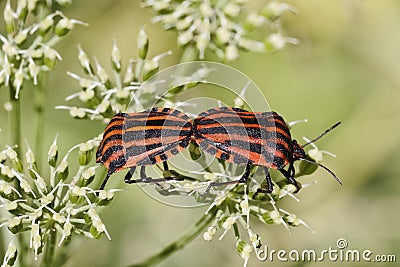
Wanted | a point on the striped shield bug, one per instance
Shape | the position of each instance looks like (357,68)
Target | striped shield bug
(252,138)
(142,139)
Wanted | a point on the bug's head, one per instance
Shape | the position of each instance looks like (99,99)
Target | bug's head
(298,151)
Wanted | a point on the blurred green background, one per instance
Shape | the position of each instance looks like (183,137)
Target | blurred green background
(346,68)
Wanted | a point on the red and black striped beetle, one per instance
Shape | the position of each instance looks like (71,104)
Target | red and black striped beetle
(231,134)
(142,139)
(252,138)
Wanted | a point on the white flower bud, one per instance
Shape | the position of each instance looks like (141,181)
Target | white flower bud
(11,154)
(274,9)
(231,53)
(18,81)
(64,2)
(122,94)
(59,218)
(101,73)
(160,5)
(5,188)
(40,182)
(228,223)
(251,45)
(8,15)
(46,23)
(142,43)
(206,9)
(238,102)
(255,20)
(77,112)
(37,53)
(9,49)
(129,76)
(63,27)
(84,60)
(25,186)
(116,56)
(21,36)
(223,35)
(103,106)
(202,43)
(184,38)
(34,71)
(86,95)
(231,9)
(244,206)
(183,24)
(207,236)
(30,157)
(10,256)
(11,206)
(32,4)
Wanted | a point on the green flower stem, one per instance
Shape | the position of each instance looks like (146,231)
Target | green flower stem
(48,256)
(39,98)
(15,133)
(180,243)
(15,121)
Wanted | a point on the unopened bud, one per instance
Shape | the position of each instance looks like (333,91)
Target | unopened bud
(13,156)
(10,256)
(274,10)
(62,171)
(53,154)
(105,198)
(150,68)
(14,225)
(142,43)
(243,249)
(116,57)
(85,153)
(9,18)
(87,177)
(84,61)
(63,27)
(51,58)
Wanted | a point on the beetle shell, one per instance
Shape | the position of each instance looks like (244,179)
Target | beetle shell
(244,137)
(143,138)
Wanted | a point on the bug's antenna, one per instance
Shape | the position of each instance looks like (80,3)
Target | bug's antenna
(324,133)
(326,168)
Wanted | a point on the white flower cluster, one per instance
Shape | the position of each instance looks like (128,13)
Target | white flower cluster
(104,95)
(223,27)
(236,208)
(58,203)
(26,48)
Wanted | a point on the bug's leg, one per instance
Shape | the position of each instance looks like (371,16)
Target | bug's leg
(291,179)
(291,170)
(129,174)
(106,179)
(242,179)
(171,174)
(165,165)
(245,175)
(143,177)
(268,181)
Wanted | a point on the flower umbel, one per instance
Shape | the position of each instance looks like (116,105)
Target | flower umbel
(27,44)
(103,95)
(223,27)
(55,203)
